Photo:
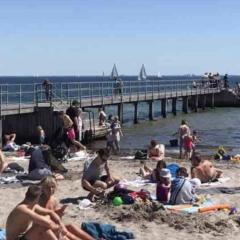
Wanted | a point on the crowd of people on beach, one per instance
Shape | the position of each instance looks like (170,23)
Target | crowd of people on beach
(174,183)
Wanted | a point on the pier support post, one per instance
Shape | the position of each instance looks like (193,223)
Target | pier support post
(136,112)
(212,101)
(195,103)
(120,112)
(185,104)
(150,114)
(204,100)
(164,108)
(174,106)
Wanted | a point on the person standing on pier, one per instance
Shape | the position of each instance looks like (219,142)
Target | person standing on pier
(48,89)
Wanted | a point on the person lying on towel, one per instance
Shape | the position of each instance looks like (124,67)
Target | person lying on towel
(204,169)
(93,179)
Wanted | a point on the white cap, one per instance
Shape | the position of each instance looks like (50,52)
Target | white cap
(165,173)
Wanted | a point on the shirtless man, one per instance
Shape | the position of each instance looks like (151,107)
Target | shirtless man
(183,131)
(29,221)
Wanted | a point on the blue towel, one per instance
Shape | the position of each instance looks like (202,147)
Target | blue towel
(173,167)
(106,231)
(2,234)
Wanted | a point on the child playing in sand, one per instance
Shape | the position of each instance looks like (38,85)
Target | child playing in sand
(152,174)
(182,191)
(47,200)
(164,186)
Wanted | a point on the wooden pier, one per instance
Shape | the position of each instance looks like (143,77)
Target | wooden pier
(23,106)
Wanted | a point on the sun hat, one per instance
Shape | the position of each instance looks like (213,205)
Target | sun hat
(165,173)
(195,182)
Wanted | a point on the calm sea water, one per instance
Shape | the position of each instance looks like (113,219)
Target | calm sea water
(219,126)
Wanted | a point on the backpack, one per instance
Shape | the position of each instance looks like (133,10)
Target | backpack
(141,154)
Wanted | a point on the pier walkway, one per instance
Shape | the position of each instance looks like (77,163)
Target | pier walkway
(24,98)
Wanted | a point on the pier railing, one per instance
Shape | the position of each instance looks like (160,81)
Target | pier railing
(21,96)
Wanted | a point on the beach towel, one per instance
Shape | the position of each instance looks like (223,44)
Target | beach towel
(173,167)
(2,234)
(138,182)
(192,209)
(8,180)
(105,231)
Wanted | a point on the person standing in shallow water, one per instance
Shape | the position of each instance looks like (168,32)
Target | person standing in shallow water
(182,131)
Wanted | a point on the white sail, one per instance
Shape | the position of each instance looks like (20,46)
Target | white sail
(142,75)
(114,73)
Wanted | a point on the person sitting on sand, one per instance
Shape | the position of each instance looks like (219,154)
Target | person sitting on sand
(29,221)
(3,162)
(38,167)
(9,142)
(93,180)
(6,163)
(182,191)
(152,174)
(164,186)
(155,152)
(48,200)
(204,169)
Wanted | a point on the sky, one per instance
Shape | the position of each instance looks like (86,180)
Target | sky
(86,37)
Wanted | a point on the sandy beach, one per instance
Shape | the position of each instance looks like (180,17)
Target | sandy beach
(146,222)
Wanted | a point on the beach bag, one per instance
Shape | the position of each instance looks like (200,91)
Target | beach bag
(173,142)
(60,150)
(141,154)
(51,160)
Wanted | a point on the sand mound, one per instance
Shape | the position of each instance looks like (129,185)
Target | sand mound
(218,224)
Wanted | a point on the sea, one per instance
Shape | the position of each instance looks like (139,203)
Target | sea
(215,127)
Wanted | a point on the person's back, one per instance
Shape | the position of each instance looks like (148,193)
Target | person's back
(181,191)
(18,222)
(206,172)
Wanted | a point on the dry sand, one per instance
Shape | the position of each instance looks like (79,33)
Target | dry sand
(146,222)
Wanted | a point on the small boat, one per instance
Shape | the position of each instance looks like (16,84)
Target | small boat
(114,73)
(142,75)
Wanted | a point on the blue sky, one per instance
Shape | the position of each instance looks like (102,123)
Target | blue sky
(86,37)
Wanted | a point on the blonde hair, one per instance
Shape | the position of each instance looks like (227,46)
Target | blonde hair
(47,181)
(2,160)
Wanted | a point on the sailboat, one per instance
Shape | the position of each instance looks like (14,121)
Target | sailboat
(114,73)
(142,75)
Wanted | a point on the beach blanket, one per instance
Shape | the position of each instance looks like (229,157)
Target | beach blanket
(105,231)
(2,234)
(138,182)
(8,180)
(81,156)
(189,208)
(218,182)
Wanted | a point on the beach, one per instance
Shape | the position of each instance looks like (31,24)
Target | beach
(146,222)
